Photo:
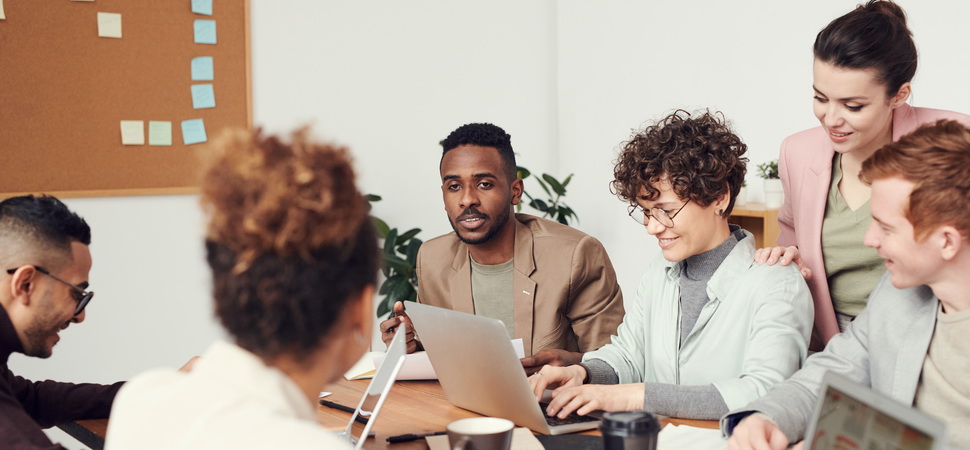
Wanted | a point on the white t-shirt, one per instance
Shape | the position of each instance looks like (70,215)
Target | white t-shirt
(230,400)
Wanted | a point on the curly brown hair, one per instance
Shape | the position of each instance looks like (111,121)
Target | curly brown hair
(289,240)
(700,156)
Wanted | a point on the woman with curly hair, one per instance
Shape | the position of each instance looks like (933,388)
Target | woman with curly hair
(294,262)
(709,330)
(864,62)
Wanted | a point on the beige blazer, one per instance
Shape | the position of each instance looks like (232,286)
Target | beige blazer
(805,166)
(565,290)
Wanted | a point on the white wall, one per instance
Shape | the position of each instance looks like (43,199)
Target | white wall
(569,80)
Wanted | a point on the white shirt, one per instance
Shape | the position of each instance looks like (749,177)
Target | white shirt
(230,400)
(752,334)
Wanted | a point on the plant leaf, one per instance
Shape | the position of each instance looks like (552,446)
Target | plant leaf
(540,205)
(402,239)
(554,183)
(372,197)
(380,226)
(390,241)
(412,253)
(522,172)
(567,180)
(397,264)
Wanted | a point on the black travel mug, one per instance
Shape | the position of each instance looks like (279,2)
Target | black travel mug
(630,430)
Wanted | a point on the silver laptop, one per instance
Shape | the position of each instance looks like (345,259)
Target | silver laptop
(850,415)
(373,398)
(479,371)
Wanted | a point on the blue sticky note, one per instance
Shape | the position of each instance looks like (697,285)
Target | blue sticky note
(205,31)
(202,7)
(203,96)
(202,68)
(193,131)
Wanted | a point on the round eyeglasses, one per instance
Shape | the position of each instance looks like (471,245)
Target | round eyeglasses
(664,216)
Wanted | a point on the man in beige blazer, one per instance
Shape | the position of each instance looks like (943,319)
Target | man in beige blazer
(552,285)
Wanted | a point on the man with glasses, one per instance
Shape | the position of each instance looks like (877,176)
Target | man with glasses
(45,260)
(552,285)
(708,330)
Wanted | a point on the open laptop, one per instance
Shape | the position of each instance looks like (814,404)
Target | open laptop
(373,398)
(852,416)
(479,371)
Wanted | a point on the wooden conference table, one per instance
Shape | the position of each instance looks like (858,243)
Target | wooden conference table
(412,407)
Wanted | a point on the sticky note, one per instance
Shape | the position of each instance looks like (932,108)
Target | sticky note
(109,25)
(205,31)
(203,96)
(202,7)
(193,131)
(159,133)
(202,68)
(133,132)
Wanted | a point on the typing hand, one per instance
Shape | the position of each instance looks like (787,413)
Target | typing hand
(592,397)
(554,377)
(783,256)
(389,326)
(533,363)
(757,431)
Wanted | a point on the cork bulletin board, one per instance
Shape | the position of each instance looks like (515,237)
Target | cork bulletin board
(83,112)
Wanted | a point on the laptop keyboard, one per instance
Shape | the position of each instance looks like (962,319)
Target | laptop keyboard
(570,419)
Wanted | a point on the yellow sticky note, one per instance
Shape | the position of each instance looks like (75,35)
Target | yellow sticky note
(133,132)
(109,25)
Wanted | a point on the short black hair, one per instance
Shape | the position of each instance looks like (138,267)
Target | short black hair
(483,135)
(45,218)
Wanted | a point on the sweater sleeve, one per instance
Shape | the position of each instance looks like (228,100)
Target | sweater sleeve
(688,402)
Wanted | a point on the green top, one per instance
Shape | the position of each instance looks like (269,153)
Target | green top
(852,268)
(492,292)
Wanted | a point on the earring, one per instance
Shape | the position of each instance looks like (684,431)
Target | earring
(720,211)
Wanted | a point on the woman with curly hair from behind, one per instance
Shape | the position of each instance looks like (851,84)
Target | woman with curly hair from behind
(708,330)
(294,262)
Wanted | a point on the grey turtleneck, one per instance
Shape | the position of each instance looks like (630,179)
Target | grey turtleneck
(696,402)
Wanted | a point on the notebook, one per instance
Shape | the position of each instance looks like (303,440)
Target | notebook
(479,371)
(850,415)
(373,398)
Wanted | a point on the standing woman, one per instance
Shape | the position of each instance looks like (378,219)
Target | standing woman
(864,62)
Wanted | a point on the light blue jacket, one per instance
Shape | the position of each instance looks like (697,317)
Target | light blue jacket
(752,334)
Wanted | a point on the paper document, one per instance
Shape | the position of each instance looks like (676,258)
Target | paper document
(673,437)
(364,369)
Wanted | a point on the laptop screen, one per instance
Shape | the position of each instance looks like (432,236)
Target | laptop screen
(851,416)
(373,398)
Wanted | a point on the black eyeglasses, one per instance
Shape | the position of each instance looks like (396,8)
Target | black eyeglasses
(663,216)
(81,296)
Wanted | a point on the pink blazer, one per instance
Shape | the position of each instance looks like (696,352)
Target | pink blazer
(805,166)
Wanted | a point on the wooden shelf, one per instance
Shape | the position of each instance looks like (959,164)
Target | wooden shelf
(762,222)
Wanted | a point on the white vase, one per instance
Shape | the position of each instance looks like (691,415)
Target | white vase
(742,196)
(774,195)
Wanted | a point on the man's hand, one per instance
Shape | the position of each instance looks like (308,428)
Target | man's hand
(187,367)
(554,377)
(533,363)
(757,432)
(389,326)
(592,397)
(783,256)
